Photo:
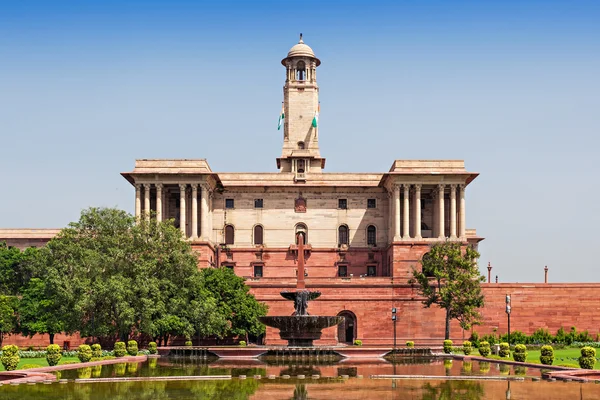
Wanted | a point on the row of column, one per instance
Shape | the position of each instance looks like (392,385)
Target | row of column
(183,189)
(439,208)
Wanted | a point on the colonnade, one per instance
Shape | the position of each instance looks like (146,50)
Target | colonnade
(401,212)
(184,189)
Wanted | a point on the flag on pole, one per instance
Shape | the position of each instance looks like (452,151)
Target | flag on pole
(281,118)
(315,121)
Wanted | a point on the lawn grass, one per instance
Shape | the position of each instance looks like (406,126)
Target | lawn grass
(562,356)
(42,362)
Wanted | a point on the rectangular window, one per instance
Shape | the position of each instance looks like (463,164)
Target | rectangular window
(229,203)
(258,203)
(343,204)
(258,271)
(371,270)
(342,270)
(371,203)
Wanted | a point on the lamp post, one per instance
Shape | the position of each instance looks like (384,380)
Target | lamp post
(394,319)
(508,315)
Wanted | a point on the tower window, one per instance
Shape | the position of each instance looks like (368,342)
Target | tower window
(229,234)
(343,235)
(342,270)
(301,229)
(300,71)
(258,235)
(229,203)
(371,203)
(343,204)
(301,145)
(258,271)
(371,235)
(258,203)
(301,165)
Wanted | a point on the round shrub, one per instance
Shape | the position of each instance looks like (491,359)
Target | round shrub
(84,353)
(152,348)
(96,350)
(53,354)
(547,355)
(358,342)
(120,349)
(132,348)
(467,347)
(504,350)
(10,357)
(410,343)
(588,357)
(188,343)
(520,353)
(447,346)
(484,349)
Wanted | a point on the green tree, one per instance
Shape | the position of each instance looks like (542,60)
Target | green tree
(8,319)
(112,276)
(38,312)
(450,279)
(10,258)
(234,301)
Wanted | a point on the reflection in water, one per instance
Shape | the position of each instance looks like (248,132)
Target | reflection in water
(300,392)
(467,390)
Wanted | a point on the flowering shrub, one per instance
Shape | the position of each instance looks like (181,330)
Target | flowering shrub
(410,343)
(132,348)
(547,355)
(152,348)
(53,354)
(484,349)
(358,342)
(84,353)
(10,357)
(447,346)
(96,350)
(588,357)
(504,350)
(520,353)
(120,349)
(467,347)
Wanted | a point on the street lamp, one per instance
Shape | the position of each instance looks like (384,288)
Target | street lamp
(394,319)
(508,315)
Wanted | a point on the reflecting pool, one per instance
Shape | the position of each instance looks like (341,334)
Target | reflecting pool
(345,379)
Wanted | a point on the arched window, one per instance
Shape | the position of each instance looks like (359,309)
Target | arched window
(301,165)
(229,234)
(371,235)
(424,261)
(258,234)
(343,235)
(300,71)
(301,229)
(301,145)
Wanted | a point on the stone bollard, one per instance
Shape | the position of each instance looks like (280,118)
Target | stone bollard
(300,377)
(257,376)
(316,376)
(242,376)
(286,377)
(271,376)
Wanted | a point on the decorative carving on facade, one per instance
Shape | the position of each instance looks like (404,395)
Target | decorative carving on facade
(300,205)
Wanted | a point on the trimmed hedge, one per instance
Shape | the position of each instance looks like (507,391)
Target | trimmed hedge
(520,353)
(547,355)
(484,349)
(188,343)
(96,350)
(132,348)
(410,343)
(588,357)
(10,357)
(448,346)
(467,347)
(358,342)
(120,349)
(152,348)
(84,353)
(53,354)
(504,350)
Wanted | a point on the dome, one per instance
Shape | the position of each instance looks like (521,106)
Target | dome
(301,50)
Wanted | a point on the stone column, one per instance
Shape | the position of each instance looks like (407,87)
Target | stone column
(396,213)
(406,213)
(441,222)
(147,201)
(138,200)
(182,209)
(453,211)
(159,198)
(204,212)
(463,220)
(194,211)
(418,211)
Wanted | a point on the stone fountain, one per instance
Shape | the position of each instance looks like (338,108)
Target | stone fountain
(301,328)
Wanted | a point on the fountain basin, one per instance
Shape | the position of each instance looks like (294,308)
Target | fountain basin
(301,330)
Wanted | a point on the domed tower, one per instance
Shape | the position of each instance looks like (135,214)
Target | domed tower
(300,153)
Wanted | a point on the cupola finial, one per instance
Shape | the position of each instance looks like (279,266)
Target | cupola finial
(301,41)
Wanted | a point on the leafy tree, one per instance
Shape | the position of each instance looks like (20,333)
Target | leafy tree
(238,306)
(112,276)
(10,258)
(8,320)
(454,285)
(38,312)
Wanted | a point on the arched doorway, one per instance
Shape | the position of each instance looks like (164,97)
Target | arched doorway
(347,329)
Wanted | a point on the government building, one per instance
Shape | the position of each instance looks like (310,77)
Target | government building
(365,232)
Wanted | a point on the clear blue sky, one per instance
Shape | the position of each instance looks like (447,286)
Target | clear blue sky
(512,87)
